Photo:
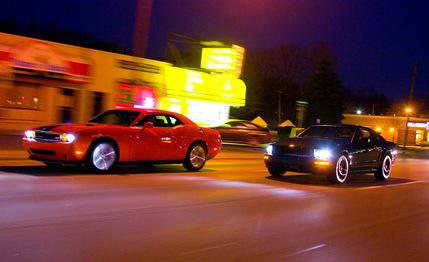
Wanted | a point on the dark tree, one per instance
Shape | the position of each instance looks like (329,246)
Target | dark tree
(268,72)
(369,101)
(325,95)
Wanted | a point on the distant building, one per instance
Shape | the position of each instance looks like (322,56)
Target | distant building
(393,128)
(43,82)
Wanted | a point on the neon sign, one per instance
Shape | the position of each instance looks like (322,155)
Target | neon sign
(128,95)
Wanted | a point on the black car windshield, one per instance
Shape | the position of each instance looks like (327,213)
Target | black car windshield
(115,117)
(334,132)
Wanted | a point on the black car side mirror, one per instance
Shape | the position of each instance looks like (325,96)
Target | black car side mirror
(148,125)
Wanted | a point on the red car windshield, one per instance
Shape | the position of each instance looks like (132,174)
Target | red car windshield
(115,117)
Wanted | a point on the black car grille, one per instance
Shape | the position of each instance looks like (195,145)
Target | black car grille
(296,150)
(47,136)
(43,152)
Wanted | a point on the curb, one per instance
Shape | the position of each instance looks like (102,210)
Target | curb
(13,155)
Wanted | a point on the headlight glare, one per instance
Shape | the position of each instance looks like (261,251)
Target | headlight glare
(67,138)
(30,134)
(269,150)
(322,154)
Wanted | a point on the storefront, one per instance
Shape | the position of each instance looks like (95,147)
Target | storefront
(44,82)
(394,128)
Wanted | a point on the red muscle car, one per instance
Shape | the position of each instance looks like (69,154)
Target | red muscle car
(125,136)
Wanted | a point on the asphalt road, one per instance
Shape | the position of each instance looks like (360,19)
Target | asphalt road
(231,211)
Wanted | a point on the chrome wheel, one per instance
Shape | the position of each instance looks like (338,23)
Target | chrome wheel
(387,164)
(341,170)
(383,172)
(103,156)
(196,157)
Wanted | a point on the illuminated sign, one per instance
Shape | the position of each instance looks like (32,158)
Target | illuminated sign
(202,112)
(419,125)
(136,66)
(219,88)
(223,59)
(37,58)
(129,95)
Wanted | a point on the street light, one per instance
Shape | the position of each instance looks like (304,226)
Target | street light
(408,110)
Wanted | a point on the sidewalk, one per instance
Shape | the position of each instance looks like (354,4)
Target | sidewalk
(11,146)
(414,152)
(13,154)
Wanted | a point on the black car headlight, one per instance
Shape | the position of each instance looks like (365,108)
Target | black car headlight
(322,154)
(269,150)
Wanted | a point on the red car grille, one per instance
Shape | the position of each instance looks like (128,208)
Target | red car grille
(43,152)
(47,136)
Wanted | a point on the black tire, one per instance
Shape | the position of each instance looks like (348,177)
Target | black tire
(102,156)
(53,165)
(275,170)
(385,168)
(341,170)
(196,157)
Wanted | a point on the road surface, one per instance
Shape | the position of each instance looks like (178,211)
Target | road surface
(230,211)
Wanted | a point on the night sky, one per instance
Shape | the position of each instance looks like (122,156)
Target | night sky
(375,43)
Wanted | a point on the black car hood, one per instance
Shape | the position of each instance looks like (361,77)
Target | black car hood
(313,142)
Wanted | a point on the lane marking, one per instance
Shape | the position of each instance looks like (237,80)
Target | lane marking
(391,185)
(206,249)
(307,250)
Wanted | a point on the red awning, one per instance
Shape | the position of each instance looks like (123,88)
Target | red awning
(79,69)
(5,56)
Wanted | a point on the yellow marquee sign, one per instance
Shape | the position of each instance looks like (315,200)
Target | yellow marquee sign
(204,87)
(223,59)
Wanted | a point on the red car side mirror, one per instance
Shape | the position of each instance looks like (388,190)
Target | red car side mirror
(148,125)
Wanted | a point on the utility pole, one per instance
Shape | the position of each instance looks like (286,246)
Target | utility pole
(279,107)
(410,101)
(142,27)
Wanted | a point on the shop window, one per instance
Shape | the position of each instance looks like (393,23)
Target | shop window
(419,136)
(68,92)
(24,96)
(98,103)
(66,114)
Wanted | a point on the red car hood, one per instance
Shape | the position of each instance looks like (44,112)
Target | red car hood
(70,128)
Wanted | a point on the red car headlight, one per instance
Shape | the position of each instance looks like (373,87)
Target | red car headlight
(30,135)
(67,138)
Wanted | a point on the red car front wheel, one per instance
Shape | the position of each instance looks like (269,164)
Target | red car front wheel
(102,156)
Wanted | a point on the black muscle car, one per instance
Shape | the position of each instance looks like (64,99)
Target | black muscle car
(335,150)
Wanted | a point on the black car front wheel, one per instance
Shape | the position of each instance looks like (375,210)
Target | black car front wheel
(342,169)
(383,171)
(276,170)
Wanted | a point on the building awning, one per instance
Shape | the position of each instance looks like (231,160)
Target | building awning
(287,123)
(259,121)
